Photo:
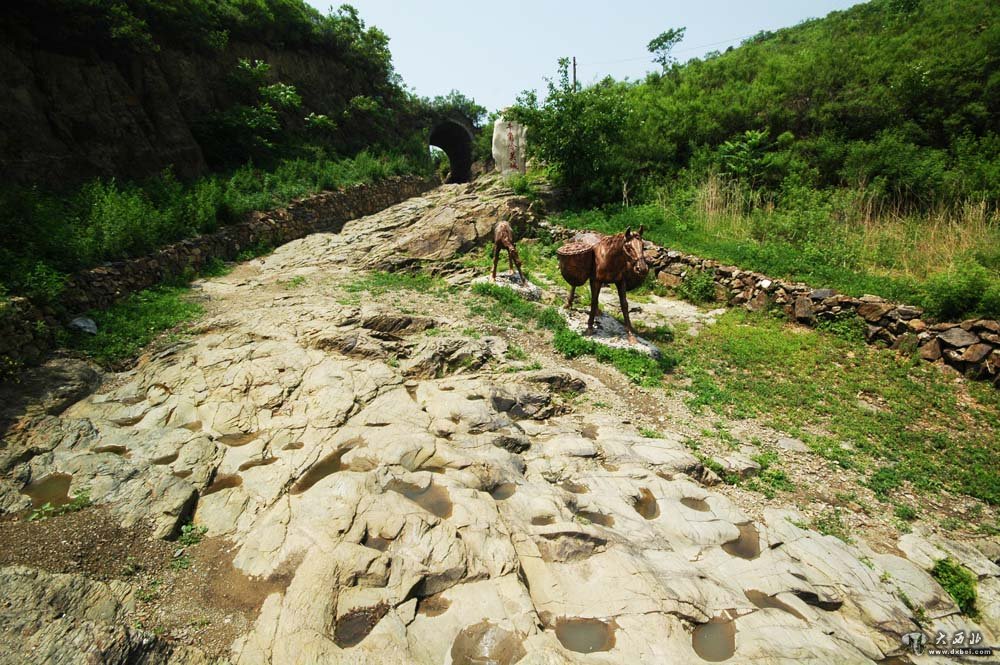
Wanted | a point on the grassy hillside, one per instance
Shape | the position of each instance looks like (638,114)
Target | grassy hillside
(858,151)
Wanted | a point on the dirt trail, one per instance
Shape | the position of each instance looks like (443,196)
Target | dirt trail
(385,478)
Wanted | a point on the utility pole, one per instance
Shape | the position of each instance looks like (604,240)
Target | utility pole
(574,73)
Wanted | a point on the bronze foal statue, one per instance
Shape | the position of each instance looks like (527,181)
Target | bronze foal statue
(503,238)
(617,259)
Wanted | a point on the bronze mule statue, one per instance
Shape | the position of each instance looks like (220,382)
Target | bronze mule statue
(503,238)
(617,259)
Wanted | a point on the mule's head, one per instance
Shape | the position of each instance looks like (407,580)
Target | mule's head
(634,251)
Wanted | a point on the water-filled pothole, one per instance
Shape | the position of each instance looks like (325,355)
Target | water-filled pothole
(543,520)
(121,451)
(194,426)
(485,642)
(503,491)
(575,488)
(259,461)
(128,422)
(433,498)
(715,641)
(433,606)
(294,445)
(597,518)
(589,431)
(747,546)
(238,439)
(764,601)
(696,504)
(183,473)
(320,470)
(585,635)
(165,459)
(52,489)
(646,505)
(223,482)
(356,624)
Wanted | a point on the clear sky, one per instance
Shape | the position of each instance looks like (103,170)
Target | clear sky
(491,51)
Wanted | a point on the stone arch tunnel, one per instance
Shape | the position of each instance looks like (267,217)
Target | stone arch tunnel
(455,138)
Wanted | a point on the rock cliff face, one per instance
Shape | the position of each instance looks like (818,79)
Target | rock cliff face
(68,117)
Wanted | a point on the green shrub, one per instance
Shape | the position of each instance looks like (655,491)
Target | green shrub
(698,287)
(846,325)
(952,293)
(959,582)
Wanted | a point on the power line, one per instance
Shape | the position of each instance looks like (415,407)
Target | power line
(650,55)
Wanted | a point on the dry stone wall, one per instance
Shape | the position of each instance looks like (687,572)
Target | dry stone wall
(26,331)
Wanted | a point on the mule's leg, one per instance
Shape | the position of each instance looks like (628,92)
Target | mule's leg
(496,258)
(510,261)
(517,263)
(595,296)
(624,303)
(572,295)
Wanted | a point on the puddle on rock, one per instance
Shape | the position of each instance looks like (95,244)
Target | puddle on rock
(433,606)
(193,426)
(589,431)
(597,518)
(434,498)
(487,643)
(294,445)
(356,624)
(52,489)
(128,422)
(764,601)
(121,451)
(183,473)
(320,470)
(585,635)
(260,461)
(544,520)
(166,459)
(696,504)
(747,546)
(646,505)
(575,488)
(238,439)
(223,482)
(715,641)
(503,491)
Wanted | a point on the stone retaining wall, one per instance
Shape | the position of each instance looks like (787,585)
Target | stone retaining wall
(972,347)
(26,331)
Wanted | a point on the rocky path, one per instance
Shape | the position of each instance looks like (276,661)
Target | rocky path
(385,486)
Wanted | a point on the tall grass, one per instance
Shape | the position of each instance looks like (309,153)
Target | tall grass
(48,234)
(946,260)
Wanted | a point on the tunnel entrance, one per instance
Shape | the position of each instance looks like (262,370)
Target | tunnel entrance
(456,141)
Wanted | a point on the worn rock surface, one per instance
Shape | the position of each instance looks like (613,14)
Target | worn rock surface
(426,506)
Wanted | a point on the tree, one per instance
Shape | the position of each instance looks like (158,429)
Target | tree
(663,44)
